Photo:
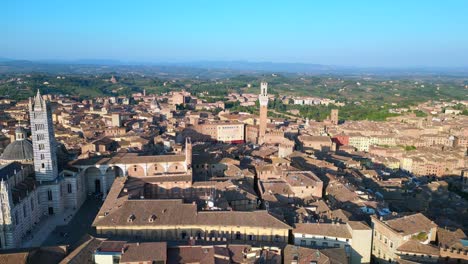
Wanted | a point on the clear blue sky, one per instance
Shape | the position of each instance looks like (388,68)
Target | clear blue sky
(348,32)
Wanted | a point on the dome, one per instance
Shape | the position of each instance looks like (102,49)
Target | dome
(18,150)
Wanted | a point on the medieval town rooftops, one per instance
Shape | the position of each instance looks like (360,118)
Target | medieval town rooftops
(295,254)
(413,246)
(329,230)
(175,212)
(451,239)
(34,255)
(143,252)
(411,224)
(315,138)
(300,178)
(128,158)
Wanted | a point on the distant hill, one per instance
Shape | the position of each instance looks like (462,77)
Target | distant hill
(213,69)
(4,59)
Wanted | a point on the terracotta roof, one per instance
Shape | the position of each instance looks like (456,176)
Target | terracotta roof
(450,239)
(413,246)
(304,255)
(198,254)
(411,224)
(127,158)
(358,225)
(35,255)
(330,230)
(175,212)
(144,252)
(84,253)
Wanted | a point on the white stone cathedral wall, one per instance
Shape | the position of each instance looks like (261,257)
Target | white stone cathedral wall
(15,237)
(57,202)
(75,199)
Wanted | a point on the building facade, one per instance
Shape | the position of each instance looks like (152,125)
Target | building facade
(354,237)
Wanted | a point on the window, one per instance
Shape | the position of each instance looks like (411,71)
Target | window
(69,188)
(313,243)
(325,244)
(391,244)
(303,242)
(41,147)
(43,165)
(238,236)
(49,195)
(336,245)
(32,204)
(24,211)
(42,156)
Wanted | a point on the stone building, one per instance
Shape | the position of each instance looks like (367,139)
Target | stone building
(404,237)
(166,172)
(355,237)
(173,220)
(318,143)
(334,116)
(223,131)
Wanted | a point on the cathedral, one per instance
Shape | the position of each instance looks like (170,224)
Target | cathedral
(31,185)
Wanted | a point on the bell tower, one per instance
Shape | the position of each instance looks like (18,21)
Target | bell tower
(263,100)
(45,156)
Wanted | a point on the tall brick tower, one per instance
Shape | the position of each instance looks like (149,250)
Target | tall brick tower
(263,100)
(334,116)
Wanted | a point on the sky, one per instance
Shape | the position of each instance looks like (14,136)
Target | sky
(384,33)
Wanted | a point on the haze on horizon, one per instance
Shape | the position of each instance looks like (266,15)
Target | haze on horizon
(349,33)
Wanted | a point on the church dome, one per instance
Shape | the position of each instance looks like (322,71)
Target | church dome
(18,150)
